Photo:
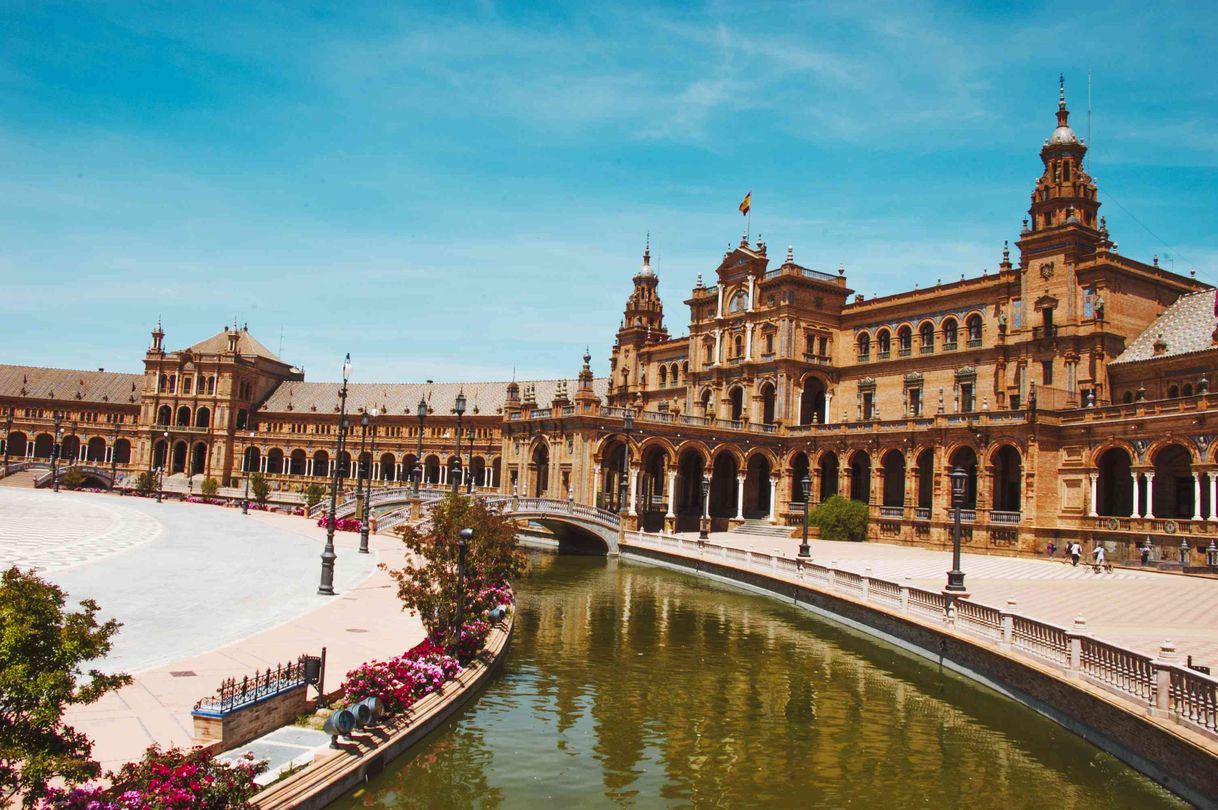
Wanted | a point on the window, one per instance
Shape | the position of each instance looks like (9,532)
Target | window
(949,334)
(823,345)
(663,376)
(914,404)
(927,337)
(868,405)
(809,344)
(186,382)
(1187,390)
(769,343)
(904,340)
(739,346)
(864,346)
(883,343)
(966,397)
(707,349)
(973,324)
(1047,369)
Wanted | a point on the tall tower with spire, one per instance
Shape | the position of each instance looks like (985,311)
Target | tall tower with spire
(643,318)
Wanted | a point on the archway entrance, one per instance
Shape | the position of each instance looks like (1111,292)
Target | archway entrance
(690,467)
(1008,475)
(860,477)
(539,470)
(800,470)
(757,487)
(926,481)
(1114,489)
(966,459)
(652,503)
(812,402)
(179,458)
(829,473)
(1173,484)
(723,490)
(198,462)
(894,479)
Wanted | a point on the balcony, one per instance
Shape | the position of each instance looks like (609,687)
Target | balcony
(820,359)
(922,513)
(997,516)
(892,511)
(882,355)
(904,351)
(929,349)
(949,345)
(1043,332)
(864,357)
(966,515)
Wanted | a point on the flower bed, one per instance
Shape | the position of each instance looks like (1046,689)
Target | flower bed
(343,524)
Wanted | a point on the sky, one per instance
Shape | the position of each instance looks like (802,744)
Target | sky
(461,191)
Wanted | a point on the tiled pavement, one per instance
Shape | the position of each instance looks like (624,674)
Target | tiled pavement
(1136,609)
(209,595)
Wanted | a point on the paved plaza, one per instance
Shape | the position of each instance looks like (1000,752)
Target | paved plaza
(204,593)
(1137,609)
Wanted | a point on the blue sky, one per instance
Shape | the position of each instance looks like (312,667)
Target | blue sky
(451,191)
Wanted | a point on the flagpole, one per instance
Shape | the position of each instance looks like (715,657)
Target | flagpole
(748,228)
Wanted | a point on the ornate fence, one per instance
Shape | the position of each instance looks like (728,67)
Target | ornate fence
(235,694)
(1161,685)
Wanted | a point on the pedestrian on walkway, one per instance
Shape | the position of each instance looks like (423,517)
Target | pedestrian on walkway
(1051,549)
(1145,554)
(1098,555)
(1076,551)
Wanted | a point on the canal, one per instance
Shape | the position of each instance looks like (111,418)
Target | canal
(634,686)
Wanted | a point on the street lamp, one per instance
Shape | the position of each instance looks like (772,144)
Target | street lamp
(623,485)
(421,412)
(56,449)
(245,504)
(367,419)
(955,577)
(160,471)
(705,520)
(326,588)
(456,470)
(805,483)
(8,428)
(464,536)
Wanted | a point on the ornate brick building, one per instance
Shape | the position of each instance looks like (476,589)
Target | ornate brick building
(1071,385)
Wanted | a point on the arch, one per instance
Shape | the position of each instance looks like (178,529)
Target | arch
(883,342)
(44,446)
(926,337)
(345,468)
(1173,483)
(864,344)
(321,464)
(707,400)
(1187,390)
(973,326)
(965,458)
(1008,478)
(660,443)
(613,473)
(183,419)
(203,417)
(893,464)
(122,452)
(364,468)
(738,302)
(163,386)
(496,466)
(1173,391)
(860,476)
(539,470)
(388,467)
(663,375)
(178,463)
(477,468)
(297,462)
(242,419)
(1114,485)
(691,466)
(95,450)
(768,400)
(253,459)
(757,485)
(274,461)
(160,454)
(800,466)
(653,463)
(674,374)
(164,414)
(1127,397)
(724,470)
(409,462)
(926,479)
(735,399)
(728,450)
(812,401)
(830,472)
(16,444)
(211,384)
(904,339)
(69,447)
(198,459)
(950,332)
(431,469)
(693,446)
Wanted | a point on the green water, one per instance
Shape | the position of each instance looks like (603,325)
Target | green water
(633,686)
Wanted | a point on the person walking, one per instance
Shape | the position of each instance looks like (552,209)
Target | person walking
(1076,551)
(1051,548)
(1098,556)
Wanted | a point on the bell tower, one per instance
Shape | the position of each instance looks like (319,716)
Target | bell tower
(643,320)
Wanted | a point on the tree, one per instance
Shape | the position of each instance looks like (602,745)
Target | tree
(427,584)
(313,494)
(145,482)
(840,518)
(72,478)
(260,487)
(42,648)
(209,487)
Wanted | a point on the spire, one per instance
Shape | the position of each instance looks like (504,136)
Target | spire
(1062,113)
(646,268)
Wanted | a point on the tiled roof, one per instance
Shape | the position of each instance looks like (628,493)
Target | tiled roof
(246,344)
(69,385)
(1186,326)
(403,398)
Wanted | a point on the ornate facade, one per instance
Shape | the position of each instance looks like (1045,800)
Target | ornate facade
(1071,385)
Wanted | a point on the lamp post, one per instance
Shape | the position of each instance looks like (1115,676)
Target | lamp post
(805,483)
(8,428)
(421,413)
(455,472)
(463,538)
(623,486)
(955,577)
(58,419)
(703,533)
(160,471)
(245,503)
(113,456)
(368,419)
(326,588)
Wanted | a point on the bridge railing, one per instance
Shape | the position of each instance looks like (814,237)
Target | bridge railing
(1161,685)
(551,506)
(60,469)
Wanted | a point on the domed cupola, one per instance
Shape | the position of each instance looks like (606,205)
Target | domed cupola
(1065,194)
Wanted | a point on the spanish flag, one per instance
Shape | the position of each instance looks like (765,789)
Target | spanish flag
(746,203)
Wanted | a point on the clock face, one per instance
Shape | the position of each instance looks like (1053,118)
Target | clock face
(1046,270)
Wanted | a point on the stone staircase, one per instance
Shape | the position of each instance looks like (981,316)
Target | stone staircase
(25,478)
(763,528)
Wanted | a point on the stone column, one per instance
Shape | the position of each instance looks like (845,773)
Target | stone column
(1150,495)
(752,294)
(309,467)
(719,314)
(596,484)
(1094,490)
(718,340)
(1196,496)
(739,497)
(1135,510)
(828,407)
(634,488)
(672,493)
(1213,492)
(773,499)
(748,342)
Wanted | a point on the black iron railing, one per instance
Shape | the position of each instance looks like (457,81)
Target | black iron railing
(234,694)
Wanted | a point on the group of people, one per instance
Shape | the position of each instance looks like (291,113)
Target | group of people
(1076,552)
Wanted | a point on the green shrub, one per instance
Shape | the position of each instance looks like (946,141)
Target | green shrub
(209,487)
(146,482)
(260,488)
(313,494)
(840,518)
(72,478)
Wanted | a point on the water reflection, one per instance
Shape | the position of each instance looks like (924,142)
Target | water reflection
(633,686)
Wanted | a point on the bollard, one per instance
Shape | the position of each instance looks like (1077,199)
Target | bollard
(1075,637)
(1008,624)
(1163,668)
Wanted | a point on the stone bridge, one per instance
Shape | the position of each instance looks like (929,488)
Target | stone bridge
(94,476)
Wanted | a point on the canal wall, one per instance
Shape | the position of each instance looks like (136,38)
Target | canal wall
(367,751)
(1183,761)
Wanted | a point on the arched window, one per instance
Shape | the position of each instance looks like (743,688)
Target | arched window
(242,419)
(183,416)
(904,340)
(864,346)
(706,402)
(1127,397)
(1172,392)
(202,418)
(708,350)
(164,386)
(663,376)
(974,330)
(883,343)
(926,337)
(949,334)
(163,415)
(186,381)
(675,374)
(1187,390)
(211,385)
(739,346)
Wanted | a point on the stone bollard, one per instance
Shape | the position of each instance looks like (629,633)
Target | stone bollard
(905,586)
(949,611)
(1164,665)
(1075,636)
(1007,617)
(866,583)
